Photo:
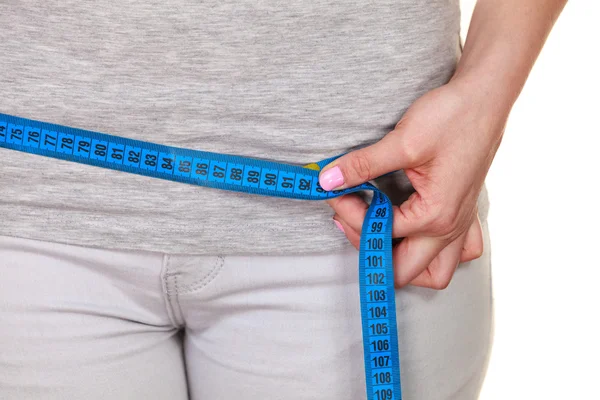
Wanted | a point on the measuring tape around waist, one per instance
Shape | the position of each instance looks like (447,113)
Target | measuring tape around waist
(242,174)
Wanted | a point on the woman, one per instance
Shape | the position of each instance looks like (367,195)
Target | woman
(125,287)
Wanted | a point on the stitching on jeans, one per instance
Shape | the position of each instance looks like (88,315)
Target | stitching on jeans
(167,275)
(177,301)
(207,279)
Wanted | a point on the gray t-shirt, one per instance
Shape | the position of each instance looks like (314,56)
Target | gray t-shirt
(291,81)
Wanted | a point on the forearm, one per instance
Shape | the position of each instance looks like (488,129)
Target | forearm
(504,40)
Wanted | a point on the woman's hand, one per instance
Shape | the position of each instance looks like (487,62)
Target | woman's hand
(445,143)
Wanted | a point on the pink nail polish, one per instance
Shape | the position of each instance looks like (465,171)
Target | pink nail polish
(340,227)
(331,179)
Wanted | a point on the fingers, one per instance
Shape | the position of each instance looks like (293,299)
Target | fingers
(413,255)
(366,164)
(473,246)
(351,209)
(426,259)
(419,261)
(412,217)
(352,235)
(440,271)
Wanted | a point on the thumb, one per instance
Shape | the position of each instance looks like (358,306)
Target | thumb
(365,164)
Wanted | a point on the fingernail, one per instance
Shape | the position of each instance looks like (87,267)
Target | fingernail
(331,179)
(340,227)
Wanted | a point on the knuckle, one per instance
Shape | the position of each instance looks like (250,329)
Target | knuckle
(415,208)
(445,221)
(440,282)
(361,165)
(409,152)
(409,149)
(440,285)
(477,252)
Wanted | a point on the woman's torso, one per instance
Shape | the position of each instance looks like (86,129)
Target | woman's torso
(289,81)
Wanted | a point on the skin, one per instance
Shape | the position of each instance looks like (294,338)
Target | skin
(446,141)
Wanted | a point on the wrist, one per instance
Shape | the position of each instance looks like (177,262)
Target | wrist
(484,105)
(488,91)
(488,95)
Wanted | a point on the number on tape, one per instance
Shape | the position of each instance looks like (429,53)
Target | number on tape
(242,174)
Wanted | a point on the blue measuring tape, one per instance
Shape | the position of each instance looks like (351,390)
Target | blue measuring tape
(242,174)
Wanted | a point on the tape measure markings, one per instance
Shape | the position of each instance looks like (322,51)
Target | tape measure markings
(247,175)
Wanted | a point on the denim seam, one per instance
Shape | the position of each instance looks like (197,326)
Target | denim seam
(168,292)
(207,279)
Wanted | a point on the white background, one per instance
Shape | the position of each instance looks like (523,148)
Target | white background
(545,222)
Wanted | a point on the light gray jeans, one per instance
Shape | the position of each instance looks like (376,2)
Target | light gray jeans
(85,323)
